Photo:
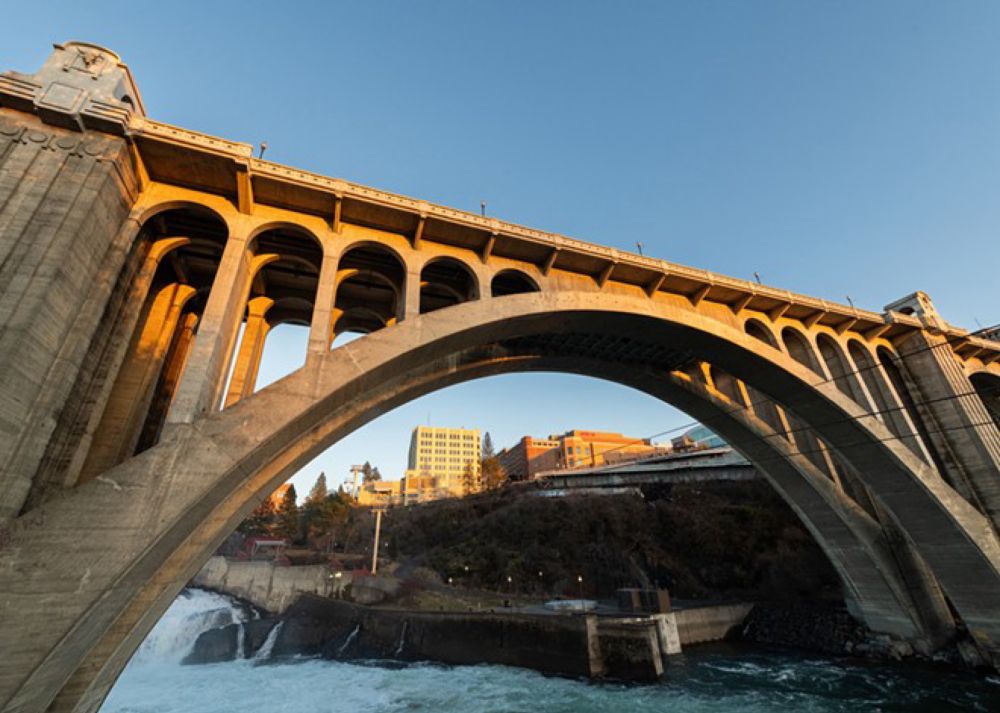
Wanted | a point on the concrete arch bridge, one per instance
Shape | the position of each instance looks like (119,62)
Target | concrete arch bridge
(143,264)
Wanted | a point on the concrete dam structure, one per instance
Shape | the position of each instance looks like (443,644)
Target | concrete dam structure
(142,263)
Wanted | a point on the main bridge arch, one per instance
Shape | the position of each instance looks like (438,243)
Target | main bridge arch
(175,502)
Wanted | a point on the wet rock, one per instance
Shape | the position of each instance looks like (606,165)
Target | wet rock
(214,645)
(255,633)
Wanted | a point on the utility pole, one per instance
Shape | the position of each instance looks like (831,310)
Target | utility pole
(378,528)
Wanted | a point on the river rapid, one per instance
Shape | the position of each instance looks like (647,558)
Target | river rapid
(712,679)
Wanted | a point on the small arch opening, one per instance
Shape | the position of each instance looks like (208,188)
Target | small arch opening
(988,388)
(282,294)
(445,282)
(799,349)
(836,364)
(511,282)
(370,279)
(758,330)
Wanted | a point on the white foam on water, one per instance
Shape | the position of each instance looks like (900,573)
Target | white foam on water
(155,682)
(192,612)
(241,637)
(268,646)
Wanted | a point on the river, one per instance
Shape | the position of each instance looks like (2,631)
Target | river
(712,679)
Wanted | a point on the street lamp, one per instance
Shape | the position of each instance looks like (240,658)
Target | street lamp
(579,581)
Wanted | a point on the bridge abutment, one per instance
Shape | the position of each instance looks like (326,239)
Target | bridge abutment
(64,199)
(958,423)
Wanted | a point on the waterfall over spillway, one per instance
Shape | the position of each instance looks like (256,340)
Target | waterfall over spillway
(268,646)
(349,640)
(192,612)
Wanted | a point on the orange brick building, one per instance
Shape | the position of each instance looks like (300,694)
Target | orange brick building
(571,450)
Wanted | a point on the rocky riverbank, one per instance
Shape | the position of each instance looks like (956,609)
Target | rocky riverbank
(827,629)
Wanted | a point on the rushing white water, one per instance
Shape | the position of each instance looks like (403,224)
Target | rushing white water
(194,611)
(702,680)
(402,641)
(241,638)
(268,646)
(349,640)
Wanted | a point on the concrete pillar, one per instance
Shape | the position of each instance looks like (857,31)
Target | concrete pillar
(321,329)
(128,405)
(80,419)
(958,423)
(176,360)
(670,639)
(410,304)
(200,388)
(595,661)
(251,347)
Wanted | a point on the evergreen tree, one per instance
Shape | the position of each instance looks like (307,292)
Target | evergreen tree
(468,480)
(260,522)
(311,514)
(493,473)
(319,491)
(288,515)
(323,518)
(369,474)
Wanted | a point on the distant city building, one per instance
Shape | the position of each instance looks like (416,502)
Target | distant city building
(381,492)
(573,449)
(529,456)
(410,490)
(443,462)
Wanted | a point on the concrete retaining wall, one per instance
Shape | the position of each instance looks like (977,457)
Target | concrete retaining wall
(704,624)
(267,586)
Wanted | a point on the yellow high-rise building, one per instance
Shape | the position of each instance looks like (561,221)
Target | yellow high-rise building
(445,462)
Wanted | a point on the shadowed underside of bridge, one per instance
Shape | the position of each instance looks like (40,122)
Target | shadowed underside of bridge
(143,267)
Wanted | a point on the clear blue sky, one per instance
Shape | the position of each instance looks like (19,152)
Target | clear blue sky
(837,148)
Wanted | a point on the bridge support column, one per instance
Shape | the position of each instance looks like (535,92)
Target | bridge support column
(80,420)
(201,384)
(321,329)
(125,415)
(169,378)
(251,348)
(411,296)
(961,428)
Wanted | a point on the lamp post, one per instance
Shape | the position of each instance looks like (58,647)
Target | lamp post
(579,581)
